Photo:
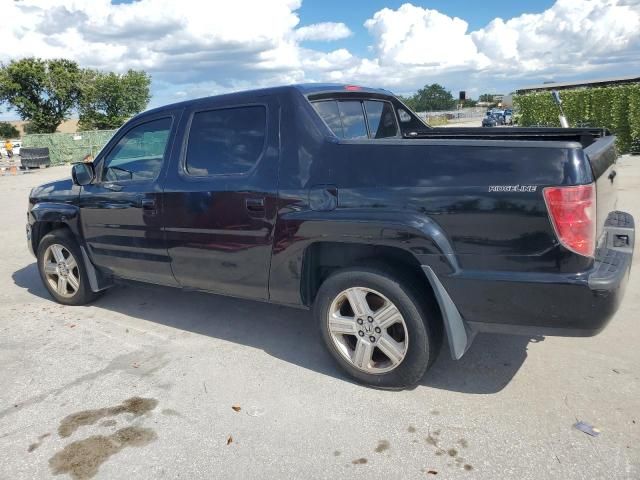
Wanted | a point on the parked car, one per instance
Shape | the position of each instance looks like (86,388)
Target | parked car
(339,199)
(508,117)
(489,121)
(499,115)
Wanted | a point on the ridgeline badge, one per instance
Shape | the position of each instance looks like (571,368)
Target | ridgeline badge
(513,188)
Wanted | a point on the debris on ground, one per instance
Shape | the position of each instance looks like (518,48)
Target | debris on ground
(229,440)
(255,411)
(588,429)
(236,408)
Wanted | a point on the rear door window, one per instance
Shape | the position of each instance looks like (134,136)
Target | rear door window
(227,141)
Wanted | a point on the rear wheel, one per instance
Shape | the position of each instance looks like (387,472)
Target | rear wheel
(377,327)
(62,270)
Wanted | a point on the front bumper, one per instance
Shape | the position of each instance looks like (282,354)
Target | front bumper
(579,304)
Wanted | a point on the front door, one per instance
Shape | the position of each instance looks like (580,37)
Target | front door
(121,211)
(220,198)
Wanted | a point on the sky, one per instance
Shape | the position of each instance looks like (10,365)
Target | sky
(195,48)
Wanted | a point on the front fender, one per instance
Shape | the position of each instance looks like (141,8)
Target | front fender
(46,213)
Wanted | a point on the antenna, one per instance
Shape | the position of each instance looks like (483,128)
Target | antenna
(558,101)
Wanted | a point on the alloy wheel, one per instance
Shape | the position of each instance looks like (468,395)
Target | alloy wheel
(61,270)
(368,330)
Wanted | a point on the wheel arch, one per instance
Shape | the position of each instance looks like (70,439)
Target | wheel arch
(46,217)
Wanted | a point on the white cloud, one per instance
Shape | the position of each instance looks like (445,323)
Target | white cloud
(194,48)
(324,31)
(569,35)
(418,36)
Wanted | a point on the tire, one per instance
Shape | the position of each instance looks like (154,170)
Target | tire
(68,269)
(364,350)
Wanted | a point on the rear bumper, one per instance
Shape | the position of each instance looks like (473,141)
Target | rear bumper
(579,304)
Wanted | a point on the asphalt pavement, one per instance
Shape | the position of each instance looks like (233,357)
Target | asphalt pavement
(151,382)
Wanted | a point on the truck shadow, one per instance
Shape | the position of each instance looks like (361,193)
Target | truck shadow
(291,335)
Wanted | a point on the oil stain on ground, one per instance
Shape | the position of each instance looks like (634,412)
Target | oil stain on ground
(35,445)
(135,405)
(382,446)
(82,459)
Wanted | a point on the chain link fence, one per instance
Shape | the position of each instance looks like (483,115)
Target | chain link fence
(69,147)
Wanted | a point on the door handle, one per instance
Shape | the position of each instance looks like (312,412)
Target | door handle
(114,187)
(255,206)
(148,205)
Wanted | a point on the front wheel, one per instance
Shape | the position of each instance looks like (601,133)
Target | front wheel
(379,329)
(62,270)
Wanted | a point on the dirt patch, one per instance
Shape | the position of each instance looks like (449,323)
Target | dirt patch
(135,405)
(360,461)
(82,459)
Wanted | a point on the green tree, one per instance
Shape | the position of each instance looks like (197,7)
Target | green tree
(432,98)
(108,100)
(8,130)
(408,101)
(43,92)
(488,98)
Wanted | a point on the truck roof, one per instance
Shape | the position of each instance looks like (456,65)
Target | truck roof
(304,88)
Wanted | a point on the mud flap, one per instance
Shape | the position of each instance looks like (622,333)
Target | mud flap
(459,334)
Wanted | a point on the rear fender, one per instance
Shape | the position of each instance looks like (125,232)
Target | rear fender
(417,234)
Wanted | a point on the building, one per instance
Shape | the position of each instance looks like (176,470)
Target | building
(603,82)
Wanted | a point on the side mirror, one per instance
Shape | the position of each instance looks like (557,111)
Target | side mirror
(82,173)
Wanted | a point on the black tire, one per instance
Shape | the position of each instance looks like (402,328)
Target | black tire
(420,315)
(63,237)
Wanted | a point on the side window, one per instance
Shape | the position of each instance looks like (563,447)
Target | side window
(227,141)
(381,118)
(352,117)
(139,154)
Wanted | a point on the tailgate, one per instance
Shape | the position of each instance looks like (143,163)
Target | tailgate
(603,155)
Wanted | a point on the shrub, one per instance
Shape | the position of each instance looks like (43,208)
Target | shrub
(616,108)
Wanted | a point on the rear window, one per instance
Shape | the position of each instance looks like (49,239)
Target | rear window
(356,119)
(225,142)
(382,120)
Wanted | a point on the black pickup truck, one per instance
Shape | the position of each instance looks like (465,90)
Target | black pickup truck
(338,198)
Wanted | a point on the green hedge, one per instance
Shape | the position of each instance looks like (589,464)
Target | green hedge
(69,147)
(616,108)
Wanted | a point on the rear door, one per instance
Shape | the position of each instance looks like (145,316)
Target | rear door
(121,210)
(220,197)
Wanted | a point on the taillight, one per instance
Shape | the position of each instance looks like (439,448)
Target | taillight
(573,214)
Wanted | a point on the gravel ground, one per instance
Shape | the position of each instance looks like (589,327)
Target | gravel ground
(142,383)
